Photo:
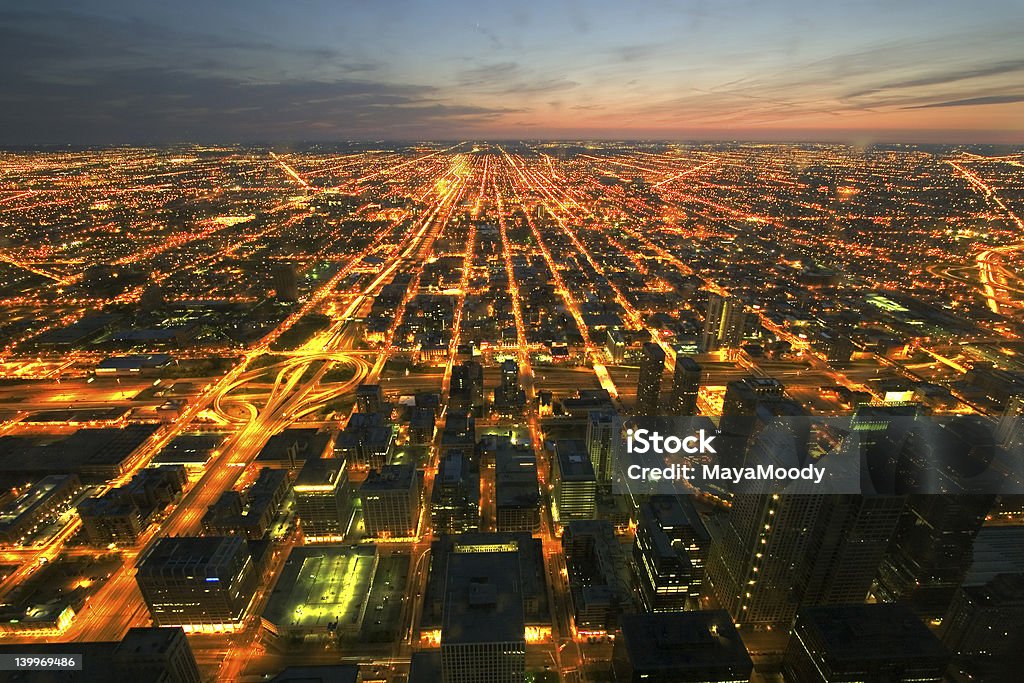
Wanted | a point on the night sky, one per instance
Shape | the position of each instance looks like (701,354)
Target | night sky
(252,71)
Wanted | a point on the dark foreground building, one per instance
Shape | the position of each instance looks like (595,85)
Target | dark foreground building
(144,654)
(878,643)
(680,647)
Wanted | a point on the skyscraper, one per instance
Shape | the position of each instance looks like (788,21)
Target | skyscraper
(847,547)
(776,553)
(602,442)
(724,322)
(648,387)
(685,385)
(751,564)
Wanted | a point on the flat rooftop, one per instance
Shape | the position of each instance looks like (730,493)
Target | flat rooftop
(683,640)
(483,600)
(321,585)
(867,632)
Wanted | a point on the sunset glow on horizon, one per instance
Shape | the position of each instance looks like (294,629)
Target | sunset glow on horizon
(114,71)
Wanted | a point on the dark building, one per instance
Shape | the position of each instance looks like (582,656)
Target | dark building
(466,391)
(751,566)
(320,673)
(648,387)
(370,398)
(669,554)
(598,576)
(367,441)
(516,489)
(285,281)
(157,654)
(685,386)
(459,433)
(742,398)
(251,513)
(681,647)
(455,497)
(391,501)
(528,571)
(122,513)
(983,628)
(931,551)
(509,396)
(846,548)
(880,642)
(200,584)
(775,553)
(292,448)
(742,413)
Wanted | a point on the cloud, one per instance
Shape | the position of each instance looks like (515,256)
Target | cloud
(946,77)
(973,101)
(116,80)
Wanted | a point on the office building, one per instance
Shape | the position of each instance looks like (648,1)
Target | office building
(603,442)
(26,514)
(160,654)
(370,398)
(598,576)
(648,387)
(516,489)
(201,584)
(323,499)
(509,396)
(391,501)
(685,386)
(931,551)
(483,626)
(575,495)
(669,554)
(680,647)
(455,497)
(877,642)
(726,323)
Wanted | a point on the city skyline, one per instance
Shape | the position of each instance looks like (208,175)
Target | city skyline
(113,72)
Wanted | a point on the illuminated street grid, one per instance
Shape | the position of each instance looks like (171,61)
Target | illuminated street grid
(278,281)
